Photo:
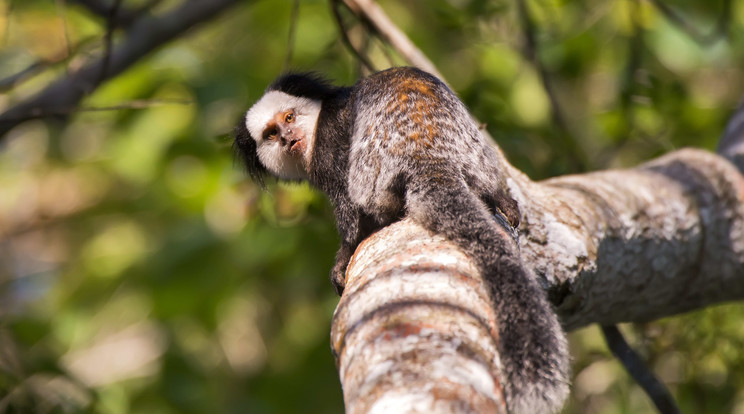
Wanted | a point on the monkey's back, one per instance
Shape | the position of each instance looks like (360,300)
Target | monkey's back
(408,123)
(415,151)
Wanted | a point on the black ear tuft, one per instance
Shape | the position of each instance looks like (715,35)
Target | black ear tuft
(309,85)
(245,149)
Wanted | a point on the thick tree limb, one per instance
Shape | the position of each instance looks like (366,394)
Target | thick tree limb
(415,329)
(638,244)
(615,246)
(144,36)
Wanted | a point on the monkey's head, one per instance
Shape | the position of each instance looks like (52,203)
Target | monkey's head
(277,134)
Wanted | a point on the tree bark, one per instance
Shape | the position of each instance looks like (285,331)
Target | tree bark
(414,331)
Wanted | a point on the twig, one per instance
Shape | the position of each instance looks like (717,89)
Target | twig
(11,81)
(124,17)
(6,32)
(382,24)
(146,35)
(634,364)
(720,30)
(731,145)
(370,11)
(33,69)
(361,58)
(292,32)
(108,40)
(627,84)
(386,51)
(62,10)
(570,147)
(635,47)
(134,104)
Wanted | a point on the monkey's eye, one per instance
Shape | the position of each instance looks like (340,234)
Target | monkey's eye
(271,133)
(289,117)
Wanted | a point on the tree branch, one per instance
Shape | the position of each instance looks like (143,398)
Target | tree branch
(571,149)
(637,369)
(345,36)
(639,244)
(11,81)
(124,16)
(415,329)
(41,65)
(719,31)
(145,35)
(731,145)
(109,39)
(293,21)
(616,246)
(370,11)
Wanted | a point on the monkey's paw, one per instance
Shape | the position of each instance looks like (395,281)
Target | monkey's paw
(338,277)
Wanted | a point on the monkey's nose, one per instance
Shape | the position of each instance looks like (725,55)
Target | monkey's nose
(284,129)
(288,141)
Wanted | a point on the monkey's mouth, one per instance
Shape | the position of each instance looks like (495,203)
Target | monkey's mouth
(295,145)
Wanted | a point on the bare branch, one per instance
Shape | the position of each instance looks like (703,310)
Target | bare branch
(108,39)
(361,58)
(145,36)
(11,81)
(292,30)
(637,368)
(372,12)
(627,82)
(61,10)
(40,65)
(571,149)
(135,104)
(124,17)
(732,142)
(719,31)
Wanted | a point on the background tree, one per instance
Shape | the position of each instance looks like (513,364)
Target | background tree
(141,273)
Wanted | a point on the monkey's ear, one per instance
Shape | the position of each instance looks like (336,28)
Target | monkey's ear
(245,150)
(306,84)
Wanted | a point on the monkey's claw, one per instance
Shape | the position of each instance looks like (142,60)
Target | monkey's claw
(338,278)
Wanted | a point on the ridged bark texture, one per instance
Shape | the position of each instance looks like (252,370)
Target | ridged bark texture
(414,331)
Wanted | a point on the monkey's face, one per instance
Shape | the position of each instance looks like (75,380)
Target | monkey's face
(283,127)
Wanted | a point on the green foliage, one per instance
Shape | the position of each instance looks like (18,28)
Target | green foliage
(141,272)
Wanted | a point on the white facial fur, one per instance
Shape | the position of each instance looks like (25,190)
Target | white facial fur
(270,152)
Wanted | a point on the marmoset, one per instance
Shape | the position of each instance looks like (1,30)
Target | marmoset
(399,143)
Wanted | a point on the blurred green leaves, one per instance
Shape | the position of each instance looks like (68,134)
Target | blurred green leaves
(141,272)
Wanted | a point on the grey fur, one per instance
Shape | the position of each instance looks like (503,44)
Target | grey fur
(400,143)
